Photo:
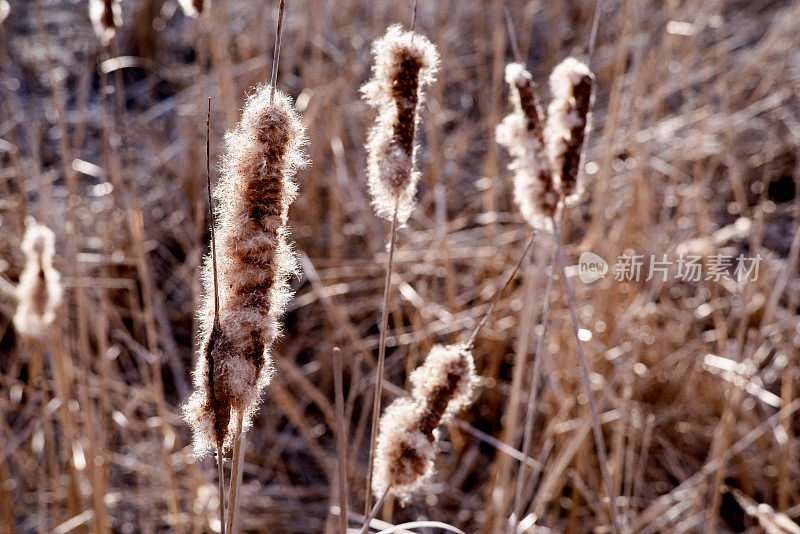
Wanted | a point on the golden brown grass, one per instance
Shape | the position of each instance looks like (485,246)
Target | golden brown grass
(693,148)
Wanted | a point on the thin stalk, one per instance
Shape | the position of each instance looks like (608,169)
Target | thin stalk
(220,459)
(276,53)
(234,484)
(533,395)
(341,438)
(587,384)
(211,215)
(499,294)
(374,511)
(221,484)
(376,403)
(414,16)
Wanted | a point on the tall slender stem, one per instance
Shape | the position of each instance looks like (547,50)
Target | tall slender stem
(234,484)
(533,395)
(376,404)
(587,383)
(221,484)
(341,438)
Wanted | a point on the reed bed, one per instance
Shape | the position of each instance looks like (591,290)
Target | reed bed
(691,149)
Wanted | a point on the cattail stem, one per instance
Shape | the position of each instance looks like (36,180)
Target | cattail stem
(211,216)
(234,483)
(276,53)
(374,511)
(221,484)
(341,438)
(474,335)
(587,383)
(534,391)
(376,404)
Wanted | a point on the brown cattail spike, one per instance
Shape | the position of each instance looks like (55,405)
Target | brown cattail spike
(407,436)
(39,289)
(404,454)
(443,384)
(571,86)
(521,133)
(405,62)
(254,263)
(106,16)
(191,8)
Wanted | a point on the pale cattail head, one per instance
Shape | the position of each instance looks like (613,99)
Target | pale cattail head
(404,454)
(571,87)
(254,264)
(444,383)
(5,9)
(405,62)
(521,132)
(192,8)
(39,289)
(408,428)
(106,17)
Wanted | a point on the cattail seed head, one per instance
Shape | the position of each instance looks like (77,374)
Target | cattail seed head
(39,289)
(571,86)
(405,62)
(106,17)
(192,8)
(443,384)
(404,454)
(254,264)
(521,133)
(408,428)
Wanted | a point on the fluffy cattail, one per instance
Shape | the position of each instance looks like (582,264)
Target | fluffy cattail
(408,428)
(191,8)
(39,289)
(443,384)
(405,62)
(106,17)
(571,86)
(254,263)
(404,454)
(521,133)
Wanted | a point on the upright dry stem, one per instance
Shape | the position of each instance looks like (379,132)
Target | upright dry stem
(234,484)
(376,404)
(533,394)
(587,382)
(341,439)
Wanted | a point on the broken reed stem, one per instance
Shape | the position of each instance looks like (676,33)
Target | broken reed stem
(234,484)
(530,410)
(374,511)
(376,403)
(587,383)
(341,438)
(474,335)
(276,53)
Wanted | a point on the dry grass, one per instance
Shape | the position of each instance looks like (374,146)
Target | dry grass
(694,148)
